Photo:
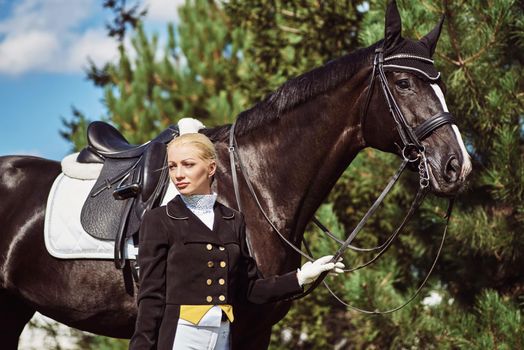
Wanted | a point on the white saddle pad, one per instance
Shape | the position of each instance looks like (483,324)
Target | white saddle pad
(64,235)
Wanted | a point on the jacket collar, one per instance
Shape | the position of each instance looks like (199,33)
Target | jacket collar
(193,230)
(177,210)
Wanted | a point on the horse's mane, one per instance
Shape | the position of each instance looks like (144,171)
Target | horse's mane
(294,92)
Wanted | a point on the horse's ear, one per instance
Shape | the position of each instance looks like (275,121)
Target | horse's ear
(431,39)
(393,26)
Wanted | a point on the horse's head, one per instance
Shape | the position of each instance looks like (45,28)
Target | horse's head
(406,101)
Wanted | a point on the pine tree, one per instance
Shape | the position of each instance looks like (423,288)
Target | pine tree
(286,38)
(149,87)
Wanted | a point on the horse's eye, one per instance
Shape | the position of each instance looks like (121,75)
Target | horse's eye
(403,84)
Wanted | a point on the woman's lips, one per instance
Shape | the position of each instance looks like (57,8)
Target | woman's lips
(182,184)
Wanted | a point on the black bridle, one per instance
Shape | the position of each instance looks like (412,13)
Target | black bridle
(412,151)
(411,137)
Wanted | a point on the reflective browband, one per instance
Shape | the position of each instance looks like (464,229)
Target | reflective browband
(405,56)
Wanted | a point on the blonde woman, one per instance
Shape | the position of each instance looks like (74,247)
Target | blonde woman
(194,261)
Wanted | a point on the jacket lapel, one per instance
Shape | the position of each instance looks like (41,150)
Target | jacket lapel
(223,226)
(193,230)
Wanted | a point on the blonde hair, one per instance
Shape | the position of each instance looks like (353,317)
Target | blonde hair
(206,149)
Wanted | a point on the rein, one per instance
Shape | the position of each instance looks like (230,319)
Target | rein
(412,151)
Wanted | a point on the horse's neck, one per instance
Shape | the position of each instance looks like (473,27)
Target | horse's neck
(295,160)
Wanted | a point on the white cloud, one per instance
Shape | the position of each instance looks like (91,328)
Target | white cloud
(52,15)
(163,10)
(52,36)
(59,35)
(96,45)
(26,51)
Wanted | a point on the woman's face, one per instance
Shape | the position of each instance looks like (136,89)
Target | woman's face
(190,173)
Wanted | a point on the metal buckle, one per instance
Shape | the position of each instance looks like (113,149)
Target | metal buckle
(411,153)
(423,170)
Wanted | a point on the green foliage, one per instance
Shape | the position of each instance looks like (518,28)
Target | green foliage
(87,341)
(286,38)
(75,129)
(495,324)
(194,75)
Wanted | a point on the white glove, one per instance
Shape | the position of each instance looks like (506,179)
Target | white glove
(311,270)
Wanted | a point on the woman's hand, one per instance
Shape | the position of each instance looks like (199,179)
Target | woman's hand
(311,270)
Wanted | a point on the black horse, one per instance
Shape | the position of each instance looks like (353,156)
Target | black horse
(295,144)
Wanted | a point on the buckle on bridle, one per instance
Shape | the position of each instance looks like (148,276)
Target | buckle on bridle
(379,53)
(411,153)
(423,170)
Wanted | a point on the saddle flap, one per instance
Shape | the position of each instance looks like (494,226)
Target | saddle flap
(101,212)
(154,168)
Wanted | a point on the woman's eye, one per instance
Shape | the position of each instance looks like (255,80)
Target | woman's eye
(172,166)
(189,165)
(403,84)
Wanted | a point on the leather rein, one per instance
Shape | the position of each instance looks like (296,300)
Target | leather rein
(412,151)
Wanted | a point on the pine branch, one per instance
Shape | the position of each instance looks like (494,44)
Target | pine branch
(289,29)
(491,42)
(455,44)
(123,18)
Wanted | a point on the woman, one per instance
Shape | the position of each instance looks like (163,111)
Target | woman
(194,261)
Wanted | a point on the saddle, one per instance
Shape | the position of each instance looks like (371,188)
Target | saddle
(133,179)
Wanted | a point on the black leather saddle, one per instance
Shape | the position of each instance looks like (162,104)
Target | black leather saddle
(133,179)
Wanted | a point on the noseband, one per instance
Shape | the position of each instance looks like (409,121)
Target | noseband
(412,150)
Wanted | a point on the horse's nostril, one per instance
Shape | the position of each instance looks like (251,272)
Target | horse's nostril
(452,172)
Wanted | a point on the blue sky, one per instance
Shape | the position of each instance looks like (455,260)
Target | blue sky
(44,45)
